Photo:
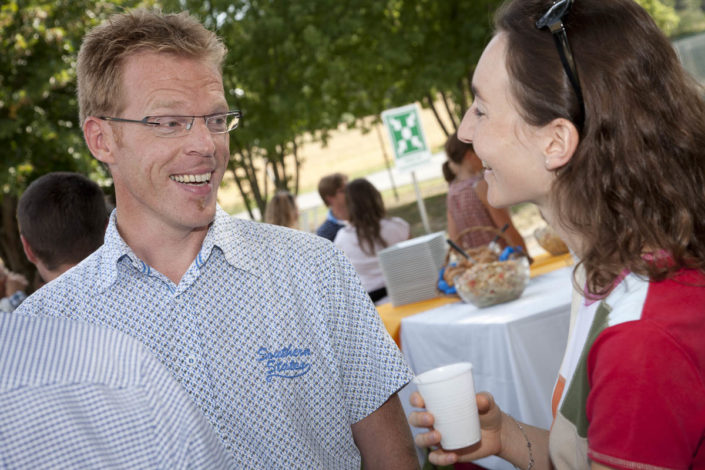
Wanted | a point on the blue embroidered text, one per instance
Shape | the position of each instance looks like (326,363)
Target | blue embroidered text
(288,362)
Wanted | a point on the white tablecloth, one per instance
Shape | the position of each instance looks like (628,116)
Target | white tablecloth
(515,348)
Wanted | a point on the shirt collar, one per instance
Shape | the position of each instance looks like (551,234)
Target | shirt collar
(332,218)
(235,238)
(113,249)
(241,245)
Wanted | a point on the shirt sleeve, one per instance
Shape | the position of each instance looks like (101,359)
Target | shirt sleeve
(371,365)
(645,405)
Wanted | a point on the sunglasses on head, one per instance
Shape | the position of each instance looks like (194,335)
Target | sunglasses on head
(553,20)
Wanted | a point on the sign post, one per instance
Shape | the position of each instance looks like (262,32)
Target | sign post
(409,145)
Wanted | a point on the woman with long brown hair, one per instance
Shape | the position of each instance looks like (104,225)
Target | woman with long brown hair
(584,109)
(370,230)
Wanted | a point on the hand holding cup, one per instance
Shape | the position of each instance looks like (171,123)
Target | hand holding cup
(489,427)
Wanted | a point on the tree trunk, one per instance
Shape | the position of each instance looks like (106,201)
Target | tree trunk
(276,174)
(263,207)
(463,93)
(245,196)
(451,114)
(251,175)
(297,167)
(435,113)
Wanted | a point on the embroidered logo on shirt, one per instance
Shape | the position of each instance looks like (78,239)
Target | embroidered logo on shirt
(288,362)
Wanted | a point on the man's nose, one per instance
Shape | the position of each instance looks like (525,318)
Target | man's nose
(202,139)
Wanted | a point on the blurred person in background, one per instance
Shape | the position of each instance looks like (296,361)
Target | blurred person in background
(62,218)
(448,174)
(466,202)
(282,210)
(12,289)
(331,188)
(370,230)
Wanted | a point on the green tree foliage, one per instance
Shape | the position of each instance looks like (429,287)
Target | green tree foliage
(295,69)
(39,130)
(304,68)
(664,14)
(436,45)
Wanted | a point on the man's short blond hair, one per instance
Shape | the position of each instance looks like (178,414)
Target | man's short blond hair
(106,47)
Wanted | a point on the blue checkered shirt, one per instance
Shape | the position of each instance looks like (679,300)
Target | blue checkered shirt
(73,395)
(269,330)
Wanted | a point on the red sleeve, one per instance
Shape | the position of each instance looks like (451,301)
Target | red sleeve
(647,402)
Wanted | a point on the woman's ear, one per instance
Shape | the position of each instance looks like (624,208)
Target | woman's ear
(99,138)
(560,138)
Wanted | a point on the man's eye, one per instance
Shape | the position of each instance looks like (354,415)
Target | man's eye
(173,122)
(170,122)
(218,120)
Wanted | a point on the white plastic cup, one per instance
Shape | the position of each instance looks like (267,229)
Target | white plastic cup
(449,394)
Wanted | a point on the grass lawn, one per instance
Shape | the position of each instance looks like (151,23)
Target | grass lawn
(435,210)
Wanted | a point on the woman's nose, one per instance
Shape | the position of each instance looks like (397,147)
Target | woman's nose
(465,130)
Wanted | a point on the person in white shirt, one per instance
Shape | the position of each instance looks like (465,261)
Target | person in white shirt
(370,231)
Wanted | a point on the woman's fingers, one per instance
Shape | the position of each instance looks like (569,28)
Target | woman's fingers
(485,401)
(438,457)
(428,439)
(421,419)
(416,400)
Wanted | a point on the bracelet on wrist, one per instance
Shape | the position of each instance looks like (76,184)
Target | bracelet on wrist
(528,443)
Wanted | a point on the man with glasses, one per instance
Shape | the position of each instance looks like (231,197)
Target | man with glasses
(268,330)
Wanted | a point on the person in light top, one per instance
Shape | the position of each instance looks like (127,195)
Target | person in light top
(370,231)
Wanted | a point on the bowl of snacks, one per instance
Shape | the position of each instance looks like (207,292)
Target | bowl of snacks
(547,239)
(492,283)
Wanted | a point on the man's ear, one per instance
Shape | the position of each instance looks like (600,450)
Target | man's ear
(29,253)
(560,141)
(99,138)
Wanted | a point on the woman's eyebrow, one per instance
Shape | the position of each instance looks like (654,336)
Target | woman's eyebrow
(474,91)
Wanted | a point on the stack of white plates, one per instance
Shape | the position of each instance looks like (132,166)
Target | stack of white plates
(411,268)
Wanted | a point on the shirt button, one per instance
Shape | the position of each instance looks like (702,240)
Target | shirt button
(192,359)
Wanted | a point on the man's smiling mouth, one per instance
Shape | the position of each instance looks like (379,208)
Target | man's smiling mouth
(200,179)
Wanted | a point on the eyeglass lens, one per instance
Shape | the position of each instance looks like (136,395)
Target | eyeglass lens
(177,125)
